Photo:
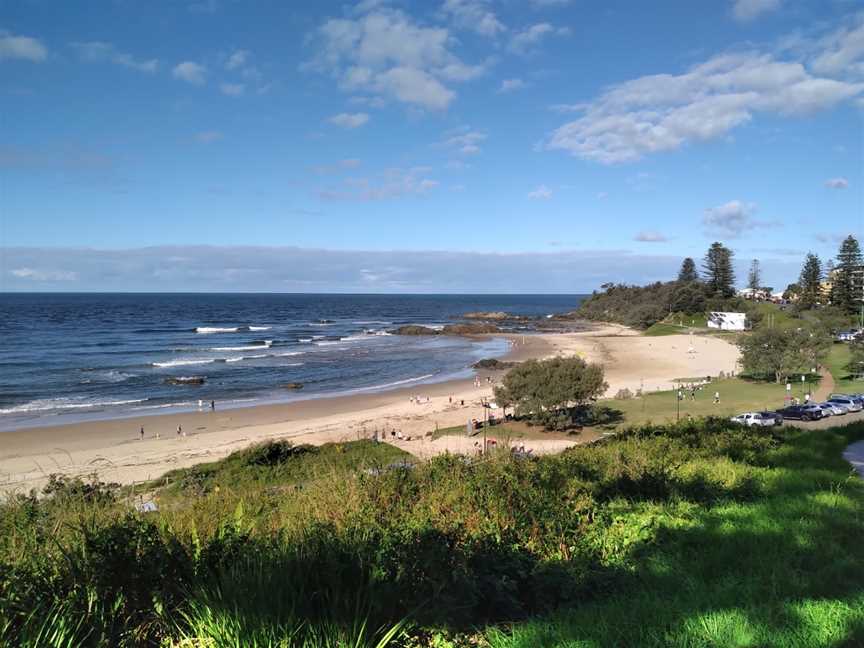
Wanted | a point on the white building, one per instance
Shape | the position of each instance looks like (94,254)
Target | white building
(727,321)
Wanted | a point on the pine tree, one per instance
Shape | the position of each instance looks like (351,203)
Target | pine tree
(847,289)
(719,275)
(688,271)
(754,277)
(810,281)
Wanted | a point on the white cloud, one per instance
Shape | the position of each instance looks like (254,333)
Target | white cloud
(386,54)
(747,10)
(232,89)
(837,183)
(540,193)
(664,112)
(524,41)
(190,72)
(650,236)
(237,60)
(44,275)
(349,120)
(24,48)
(464,140)
(841,52)
(732,219)
(391,184)
(474,15)
(509,85)
(99,52)
(207,137)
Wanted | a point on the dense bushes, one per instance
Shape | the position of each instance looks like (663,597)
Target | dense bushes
(643,306)
(449,543)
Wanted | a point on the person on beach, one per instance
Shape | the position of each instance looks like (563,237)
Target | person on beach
(716,397)
(142,432)
(179,430)
(212,405)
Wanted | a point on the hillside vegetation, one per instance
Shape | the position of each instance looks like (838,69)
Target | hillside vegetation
(687,534)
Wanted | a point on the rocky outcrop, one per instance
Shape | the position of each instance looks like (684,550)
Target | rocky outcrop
(494,364)
(415,329)
(470,328)
(491,315)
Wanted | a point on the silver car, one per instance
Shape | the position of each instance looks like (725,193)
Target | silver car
(849,403)
(832,409)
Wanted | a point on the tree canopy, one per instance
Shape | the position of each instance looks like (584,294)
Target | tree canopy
(754,276)
(718,273)
(847,288)
(548,391)
(810,282)
(688,273)
(777,354)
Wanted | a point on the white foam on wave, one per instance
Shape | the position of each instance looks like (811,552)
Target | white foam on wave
(396,383)
(216,329)
(260,328)
(304,340)
(48,404)
(249,347)
(290,353)
(181,363)
(368,322)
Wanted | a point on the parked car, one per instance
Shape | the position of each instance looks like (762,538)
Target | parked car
(801,413)
(832,409)
(773,416)
(850,403)
(753,418)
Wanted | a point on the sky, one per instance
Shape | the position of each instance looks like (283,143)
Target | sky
(436,146)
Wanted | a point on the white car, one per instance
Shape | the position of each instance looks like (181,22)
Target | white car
(753,418)
(847,402)
(832,409)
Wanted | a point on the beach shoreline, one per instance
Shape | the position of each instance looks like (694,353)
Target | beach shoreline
(113,448)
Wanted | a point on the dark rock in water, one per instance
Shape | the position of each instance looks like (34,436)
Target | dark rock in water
(414,329)
(293,385)
(474,328)
(185,380)
(494,364)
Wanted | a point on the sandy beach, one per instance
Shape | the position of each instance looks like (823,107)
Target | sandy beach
(114,450)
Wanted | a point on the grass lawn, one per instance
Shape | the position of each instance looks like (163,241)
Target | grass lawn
(784,569)
(836,362)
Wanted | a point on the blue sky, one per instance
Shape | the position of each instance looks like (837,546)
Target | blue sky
(526,145)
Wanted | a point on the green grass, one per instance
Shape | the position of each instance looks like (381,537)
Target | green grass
(781,570)
(836,362)
(695,534)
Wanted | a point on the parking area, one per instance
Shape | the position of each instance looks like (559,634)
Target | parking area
(830,421)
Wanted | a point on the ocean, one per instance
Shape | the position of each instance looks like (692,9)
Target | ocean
(72,357)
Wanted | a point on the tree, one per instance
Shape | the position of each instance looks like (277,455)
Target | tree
(688,273)
(754,277)
(846,287)
(855,366)
(778,354)
(792,292)
(688,298)
(810,282)
(548,391)
(719,275)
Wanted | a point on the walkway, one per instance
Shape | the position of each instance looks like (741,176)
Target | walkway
(826,386)
(854,454)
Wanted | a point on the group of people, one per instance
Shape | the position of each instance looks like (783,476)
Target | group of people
(417,400)
(180,431)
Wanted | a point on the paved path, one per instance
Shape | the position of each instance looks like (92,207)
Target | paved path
(854,454)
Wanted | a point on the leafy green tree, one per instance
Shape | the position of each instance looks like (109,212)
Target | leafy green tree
(847,288)
(718,272)
(688,298)
(792,292)
(855,366)
(754,277)
(548,391)
(688,273)
(777,354)
(810,282)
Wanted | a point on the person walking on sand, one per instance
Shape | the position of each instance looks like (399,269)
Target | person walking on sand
(179,430)
(716,397)
(212,405)
(142,432)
